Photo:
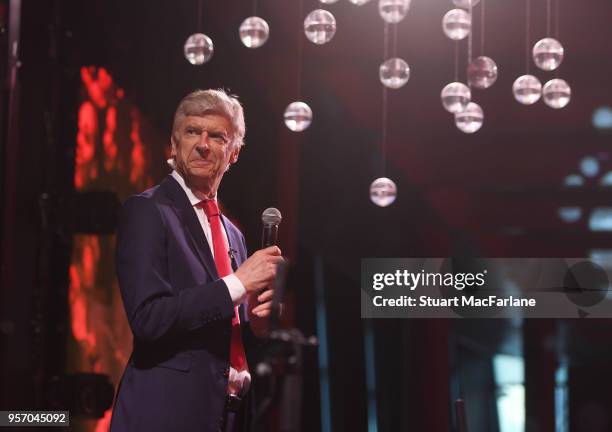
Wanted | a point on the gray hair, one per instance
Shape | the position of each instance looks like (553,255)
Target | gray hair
(201,102)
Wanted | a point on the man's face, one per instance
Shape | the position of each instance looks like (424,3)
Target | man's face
(203,150)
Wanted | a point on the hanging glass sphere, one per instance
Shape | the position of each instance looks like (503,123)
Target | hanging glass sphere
(470,119)
(465,4)
(394,73)
(393,11)
(328,1)
(456,24)
(482,72)
(548,54)
(455,97)
(320,26)
(556,93)
(359,2)
(298,116)
(527,89)
(198,49)
(383,191)
(254,32)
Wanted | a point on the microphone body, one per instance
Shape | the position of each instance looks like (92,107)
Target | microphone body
(269,235)
(271,218)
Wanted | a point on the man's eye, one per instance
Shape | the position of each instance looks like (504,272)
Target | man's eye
(219,137)
(192,131)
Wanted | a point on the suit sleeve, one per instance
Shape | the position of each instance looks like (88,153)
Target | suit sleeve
(154,309)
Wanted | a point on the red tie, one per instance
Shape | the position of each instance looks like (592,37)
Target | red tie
(224,268)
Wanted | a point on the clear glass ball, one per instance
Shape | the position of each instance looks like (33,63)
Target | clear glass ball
(394,73)
(383,191)
(455,97)
(482,72)
(359,2)
(556,93)
(254,32)
(527,89)
(465,4)
(320,26)
(393,11)
(548,54)
(456,24)
(470,119)
(298,116)
(198,49)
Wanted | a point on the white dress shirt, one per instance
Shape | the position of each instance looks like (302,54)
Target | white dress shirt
(238,382)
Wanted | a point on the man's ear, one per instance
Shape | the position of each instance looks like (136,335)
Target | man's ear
(235,153)
(172,147)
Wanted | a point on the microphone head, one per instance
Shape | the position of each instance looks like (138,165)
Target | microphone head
(271,216)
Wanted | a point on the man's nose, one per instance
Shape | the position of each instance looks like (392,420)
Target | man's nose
(203,142)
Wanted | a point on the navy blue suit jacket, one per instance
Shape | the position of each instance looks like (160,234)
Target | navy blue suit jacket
(180,314)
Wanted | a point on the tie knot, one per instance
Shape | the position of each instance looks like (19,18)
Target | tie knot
(210,208)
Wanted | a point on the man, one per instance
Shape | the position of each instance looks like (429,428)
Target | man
(184,278)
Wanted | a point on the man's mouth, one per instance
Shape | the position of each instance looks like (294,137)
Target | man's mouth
(200,162)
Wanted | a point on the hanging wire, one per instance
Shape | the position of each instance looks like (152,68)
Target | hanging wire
(527,35)
(470,39)
(547,17)
(394,49)
(557,30)
(456,61)
(299,50)
(482,26)
(199,18)
(254,7)
(557,19)
(384,106)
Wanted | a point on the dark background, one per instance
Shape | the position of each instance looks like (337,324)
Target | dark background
(495,193)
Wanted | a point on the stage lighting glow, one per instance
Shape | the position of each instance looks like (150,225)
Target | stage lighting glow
(570,214)
(601,219)
(602,118)
(573,180)
(589,166)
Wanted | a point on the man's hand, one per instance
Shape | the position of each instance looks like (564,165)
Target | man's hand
(259,270)
(260,304)
(260,307)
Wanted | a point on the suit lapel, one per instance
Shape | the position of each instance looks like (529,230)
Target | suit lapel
(193,229)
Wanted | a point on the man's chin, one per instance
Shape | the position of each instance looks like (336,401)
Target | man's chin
(201,172)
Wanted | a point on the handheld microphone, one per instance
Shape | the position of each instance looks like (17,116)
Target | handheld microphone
(271,219)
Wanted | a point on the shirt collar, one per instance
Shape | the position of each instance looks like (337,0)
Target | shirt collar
(194,200)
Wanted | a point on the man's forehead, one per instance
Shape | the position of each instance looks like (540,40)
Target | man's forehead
(208,119)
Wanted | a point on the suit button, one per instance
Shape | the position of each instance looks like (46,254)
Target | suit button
(226,372)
